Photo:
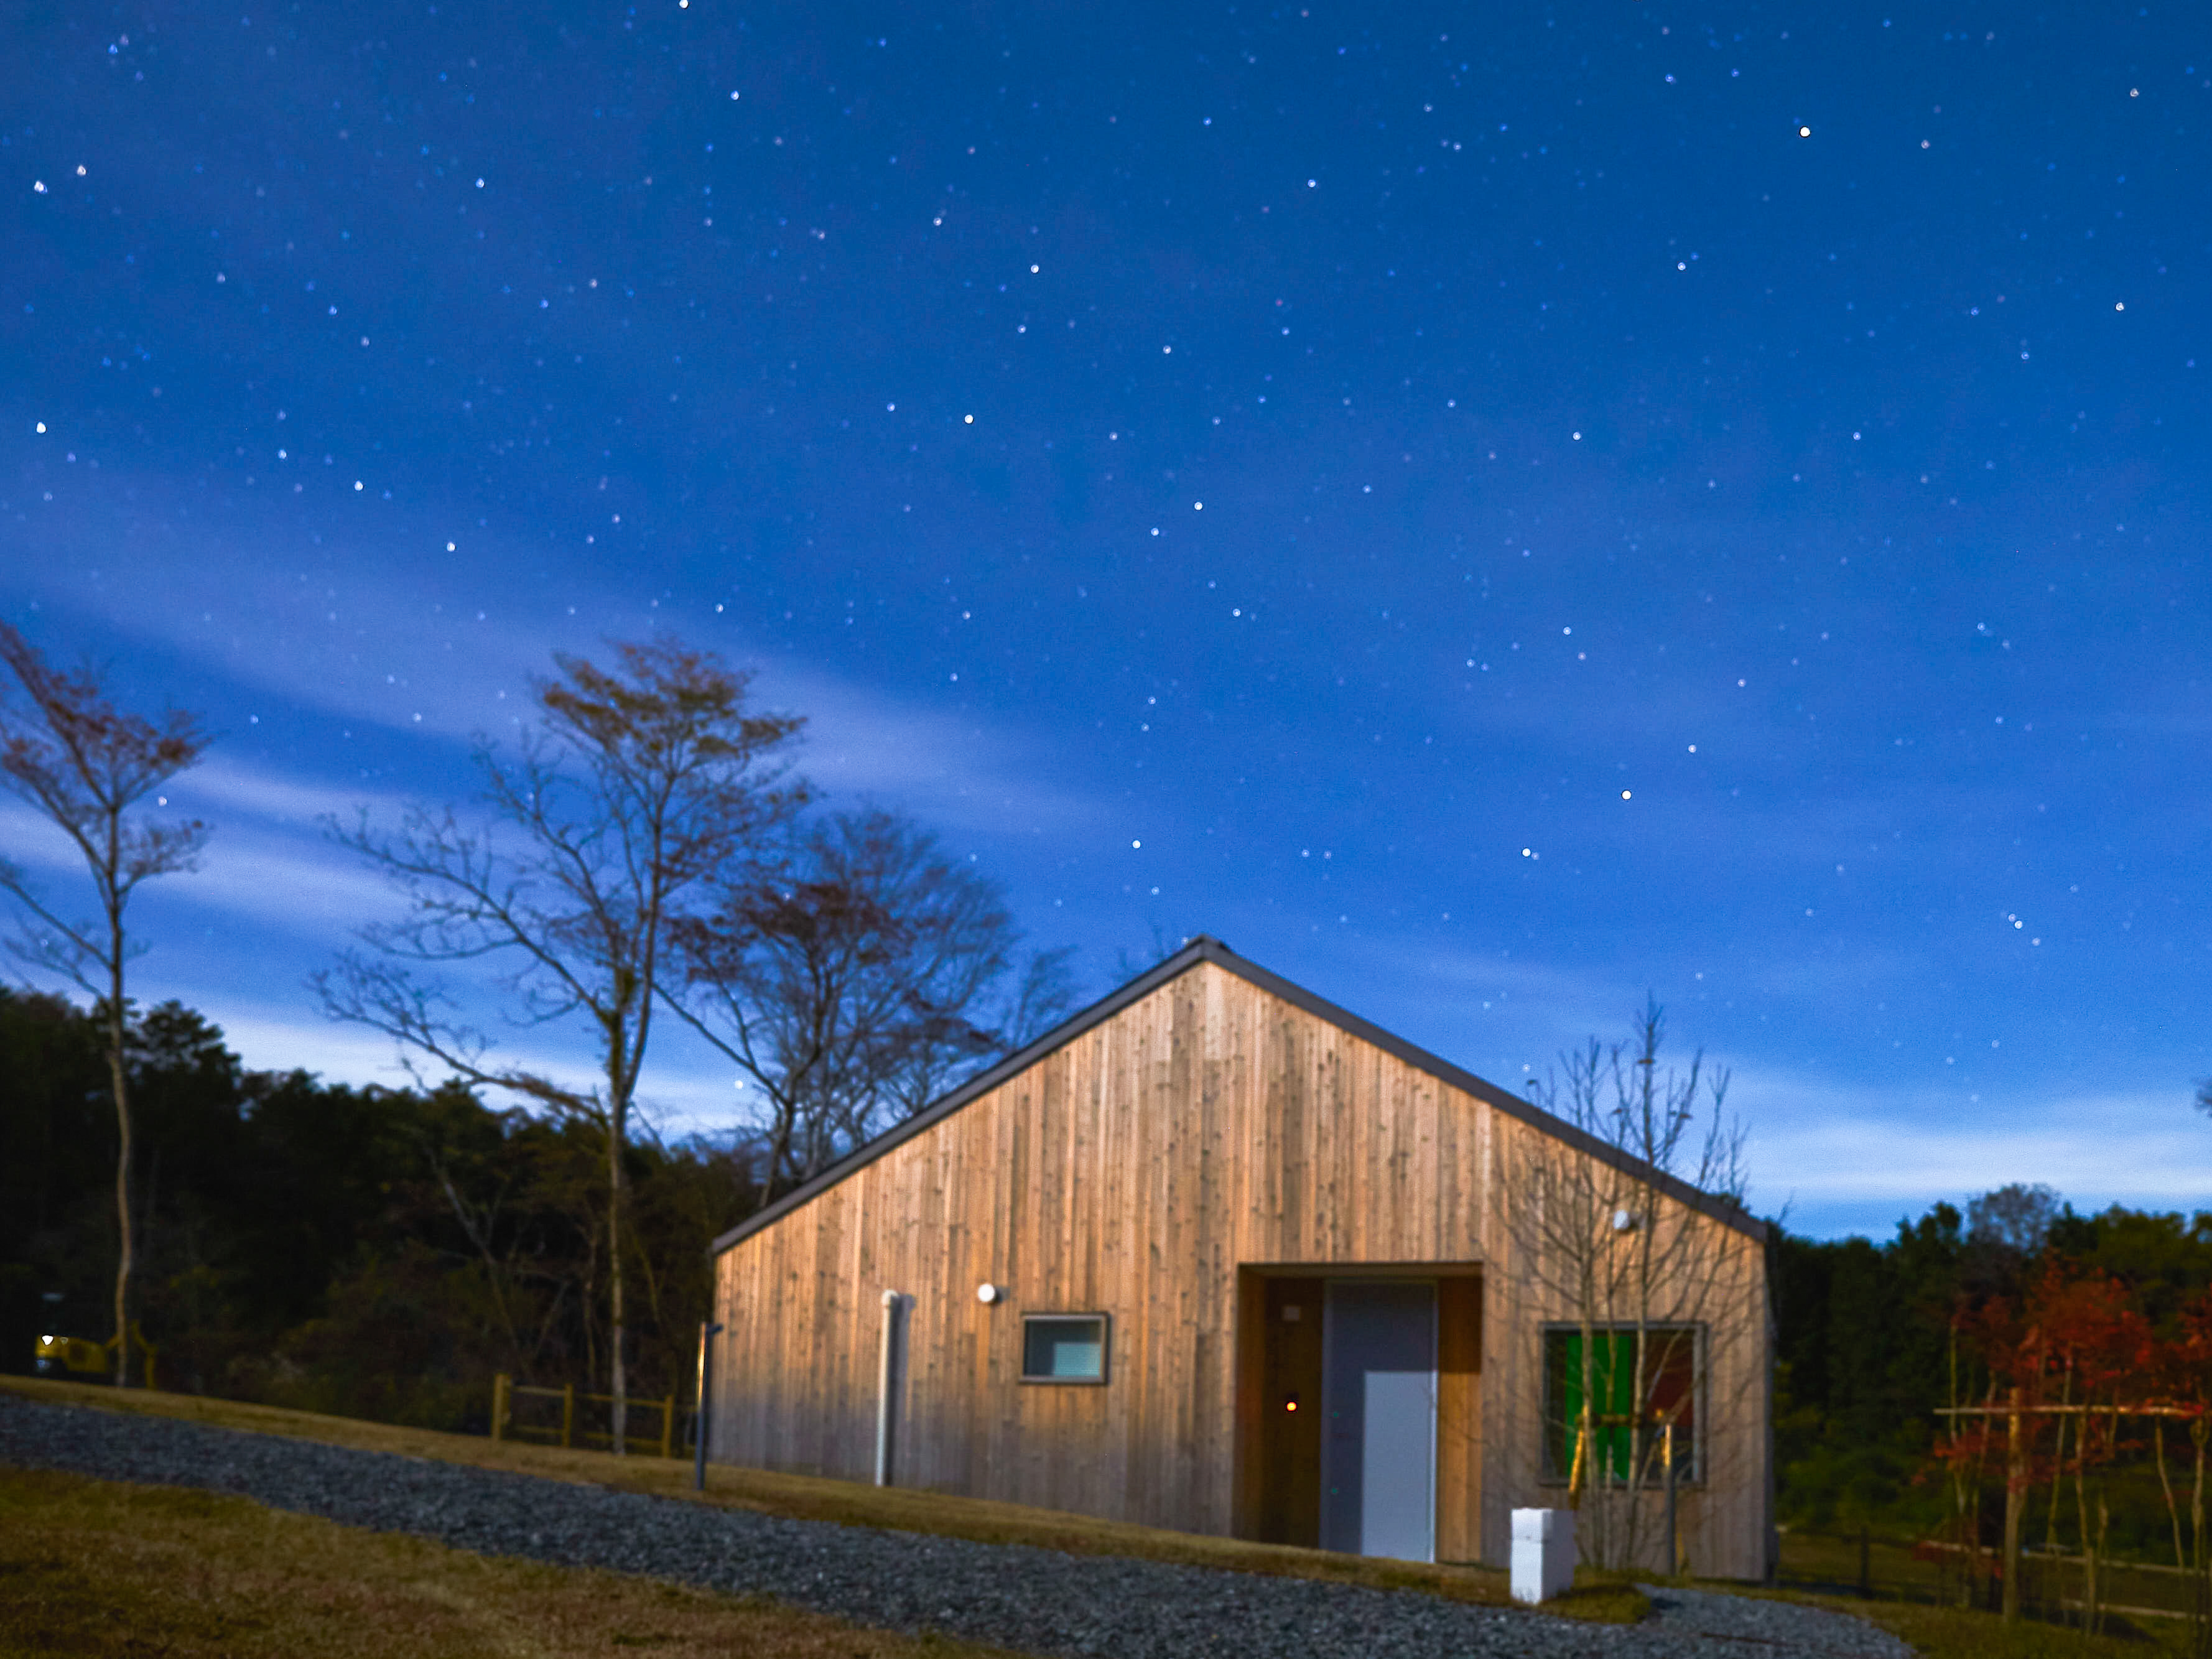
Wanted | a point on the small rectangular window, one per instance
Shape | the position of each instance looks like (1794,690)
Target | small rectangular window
(1064,1348)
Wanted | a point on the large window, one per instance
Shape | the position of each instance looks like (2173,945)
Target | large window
(1064,1348)
(1606,1440)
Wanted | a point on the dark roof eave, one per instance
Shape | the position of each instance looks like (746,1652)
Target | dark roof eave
(1206,949)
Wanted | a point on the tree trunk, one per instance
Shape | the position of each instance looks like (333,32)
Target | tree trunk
(1589,1454)
(119,1078)
(1639,1476)
(619,1381)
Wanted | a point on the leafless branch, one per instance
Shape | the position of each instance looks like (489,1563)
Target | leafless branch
(1612,1247)
(600,831)
(856,982)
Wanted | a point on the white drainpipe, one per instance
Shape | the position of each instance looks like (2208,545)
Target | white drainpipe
(886,1386)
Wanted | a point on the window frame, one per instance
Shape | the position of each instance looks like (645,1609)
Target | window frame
(1548,1472)
(1105,1322)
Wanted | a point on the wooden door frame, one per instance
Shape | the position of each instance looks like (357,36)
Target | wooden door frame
(1460,1316)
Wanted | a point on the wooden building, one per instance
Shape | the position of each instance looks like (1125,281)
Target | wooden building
(1219,1256)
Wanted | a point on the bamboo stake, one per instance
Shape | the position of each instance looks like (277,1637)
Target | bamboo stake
(1981,1460)
(2015,1494)
(2197,1543)
(2058,1461)
(2166,1485)
(2082,1521)
(2095,1611)
(1966,1518)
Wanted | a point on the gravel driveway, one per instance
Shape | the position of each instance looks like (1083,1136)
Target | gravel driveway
(1036,1601)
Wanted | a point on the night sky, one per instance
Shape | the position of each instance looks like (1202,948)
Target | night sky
(1491,511)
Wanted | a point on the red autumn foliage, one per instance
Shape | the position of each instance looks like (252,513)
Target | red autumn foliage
(2074,1339)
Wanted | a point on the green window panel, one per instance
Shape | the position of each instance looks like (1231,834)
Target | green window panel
(1669,1377)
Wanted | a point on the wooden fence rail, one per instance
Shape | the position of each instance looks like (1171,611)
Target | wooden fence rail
(2017,1411)
(504,1388)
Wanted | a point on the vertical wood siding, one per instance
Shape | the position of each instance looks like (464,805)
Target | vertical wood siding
(1209,1126)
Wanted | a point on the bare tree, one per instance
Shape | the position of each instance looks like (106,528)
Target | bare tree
(858,982)
(639,786)
(1624,1241)
(2015,1218)
(86,765)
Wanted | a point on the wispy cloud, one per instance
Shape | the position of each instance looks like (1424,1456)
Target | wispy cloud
(429,652)
(287,878)
(954,772)
(300,884)
(35,843)
(685,1089)
(1828,1145)
(225,787)
(2100,1151)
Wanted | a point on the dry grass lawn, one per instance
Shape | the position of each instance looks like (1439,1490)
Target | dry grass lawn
(1906,1604)
(1946,1633)
(98,1569)
(803,1497)
(1966,1633)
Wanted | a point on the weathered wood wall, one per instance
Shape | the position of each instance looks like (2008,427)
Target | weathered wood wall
(1132,1171)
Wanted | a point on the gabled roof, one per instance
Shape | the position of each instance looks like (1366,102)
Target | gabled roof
(1206,949)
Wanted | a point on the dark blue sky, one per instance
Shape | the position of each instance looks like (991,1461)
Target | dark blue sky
(1511,510)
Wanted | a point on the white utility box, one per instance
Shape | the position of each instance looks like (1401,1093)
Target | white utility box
(1544,1554)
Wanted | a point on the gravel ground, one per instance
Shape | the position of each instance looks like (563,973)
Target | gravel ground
(1036,1601)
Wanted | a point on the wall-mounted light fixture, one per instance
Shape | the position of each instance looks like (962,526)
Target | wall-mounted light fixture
(989,1294)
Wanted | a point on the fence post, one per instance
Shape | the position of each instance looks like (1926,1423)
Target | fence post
(568,1414)
(500,1384)
(668,1426)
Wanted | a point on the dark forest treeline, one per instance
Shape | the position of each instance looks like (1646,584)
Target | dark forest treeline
(373,1252)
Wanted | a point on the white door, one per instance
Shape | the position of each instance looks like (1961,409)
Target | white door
(1379,1419)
